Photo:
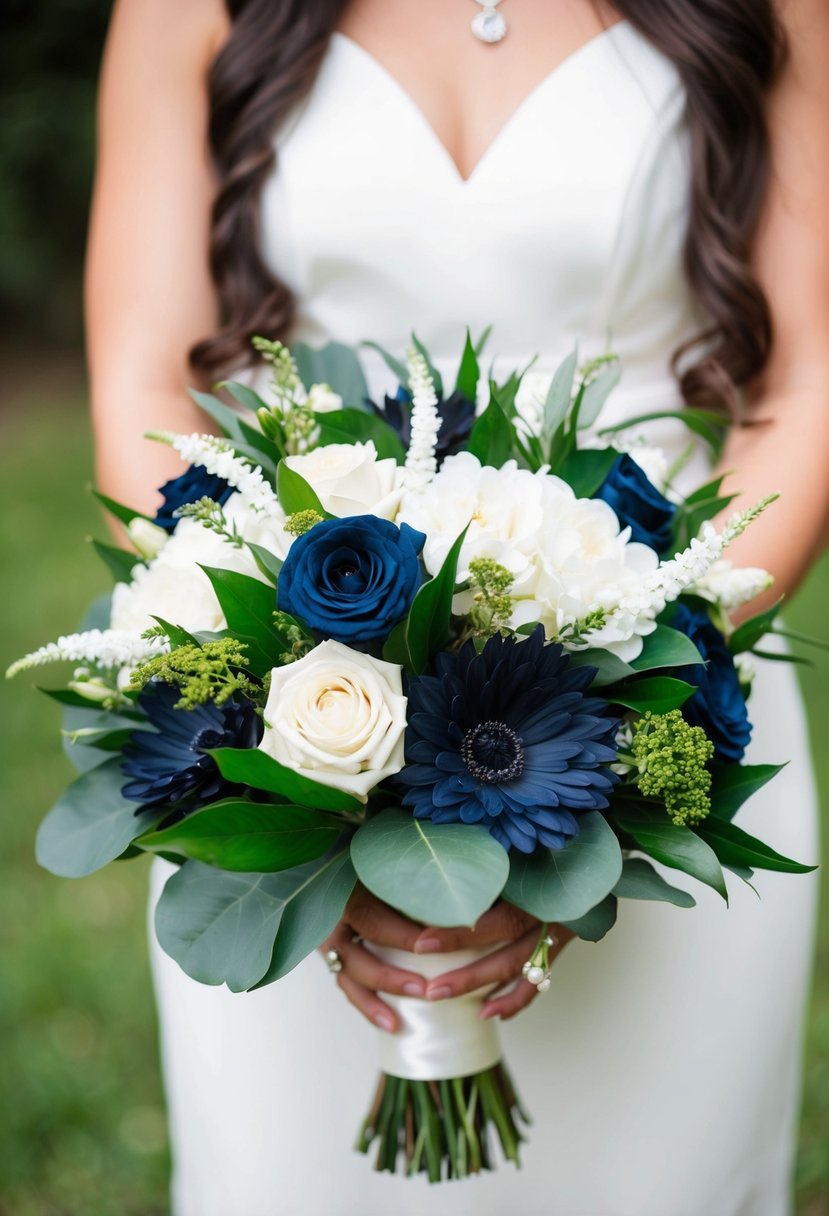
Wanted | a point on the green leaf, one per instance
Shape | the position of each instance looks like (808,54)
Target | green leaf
(295,494)
(735,847)
(437,873)
(659,694)
(746,636)
(706,424)
(251,766)
(267,562)
(336,365)
(593,926)
(118,511)
(221,927)
(564,884)
(674,846)
(733,784)
(394,365)
(120,561)
(492,437)
(90,824)
(666,647)
(468,372)
(356,426)
(596,394)
(248,606)
(311,914)
(238,835)
(641,881)
(585,470)
(609,667)
(427,627)
(559,395)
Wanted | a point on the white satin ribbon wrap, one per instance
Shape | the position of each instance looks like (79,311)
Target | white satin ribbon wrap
(437,1040)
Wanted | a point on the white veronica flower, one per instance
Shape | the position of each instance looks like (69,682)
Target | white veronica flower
(349,479)
(338,717)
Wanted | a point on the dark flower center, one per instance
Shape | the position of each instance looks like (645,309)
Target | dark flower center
(493,753)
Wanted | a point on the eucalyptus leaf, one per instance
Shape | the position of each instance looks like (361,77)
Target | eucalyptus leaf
(596,394)
(641,881)
(311,914)
(335,365)
(251,766)
(437,873)
(239,835)
(564,884)
(593,926)
(90,824)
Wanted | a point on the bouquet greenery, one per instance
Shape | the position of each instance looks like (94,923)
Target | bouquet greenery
(459,646)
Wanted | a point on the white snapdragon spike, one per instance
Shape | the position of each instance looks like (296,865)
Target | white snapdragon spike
(732,586)
(421,459)
(104,648)
(671,578)
(217,456)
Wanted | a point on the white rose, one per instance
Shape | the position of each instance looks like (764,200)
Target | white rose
(323,400)
(338,717)
(348,479)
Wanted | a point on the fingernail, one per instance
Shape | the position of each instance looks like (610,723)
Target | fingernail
(426,945)
(384,1021)
(413,989)
(438,994)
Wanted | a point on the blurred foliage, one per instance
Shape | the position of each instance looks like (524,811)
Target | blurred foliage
(82,1128)
(49,56)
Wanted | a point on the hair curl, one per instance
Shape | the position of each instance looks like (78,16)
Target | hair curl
(727,53)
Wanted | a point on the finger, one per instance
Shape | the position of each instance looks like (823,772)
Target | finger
(503,922)
(366,969)
(377,922)
(499,967)
(369,1004)
(507,1006)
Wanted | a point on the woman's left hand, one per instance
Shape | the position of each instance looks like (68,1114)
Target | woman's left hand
(503,923)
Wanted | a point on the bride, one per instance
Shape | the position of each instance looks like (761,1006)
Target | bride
(645,174)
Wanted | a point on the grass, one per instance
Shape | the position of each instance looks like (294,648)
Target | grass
(82,1128)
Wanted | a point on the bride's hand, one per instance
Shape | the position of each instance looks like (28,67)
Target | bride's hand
(363,975)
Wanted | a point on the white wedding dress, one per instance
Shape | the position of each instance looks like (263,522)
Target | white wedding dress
(662,1067)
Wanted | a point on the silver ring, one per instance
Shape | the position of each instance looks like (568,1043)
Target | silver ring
(333,961)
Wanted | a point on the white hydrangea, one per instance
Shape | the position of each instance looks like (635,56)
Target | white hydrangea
(174,587)
(568,556)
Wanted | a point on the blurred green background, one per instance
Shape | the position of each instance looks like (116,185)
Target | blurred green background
(82,1129)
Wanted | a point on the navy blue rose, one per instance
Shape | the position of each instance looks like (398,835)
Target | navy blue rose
(639,505)
(509,738)
(193,484)
(352,579)
(718,705)
(170,765)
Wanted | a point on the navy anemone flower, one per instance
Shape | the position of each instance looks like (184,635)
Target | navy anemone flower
(193,484)
(170,765)
(507,738)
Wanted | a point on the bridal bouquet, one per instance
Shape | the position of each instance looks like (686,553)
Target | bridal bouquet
(457,646)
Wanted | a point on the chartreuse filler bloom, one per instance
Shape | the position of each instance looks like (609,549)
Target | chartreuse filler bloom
(455,644)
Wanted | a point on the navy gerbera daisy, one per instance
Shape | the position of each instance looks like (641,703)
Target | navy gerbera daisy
(507,738)
(170,765)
